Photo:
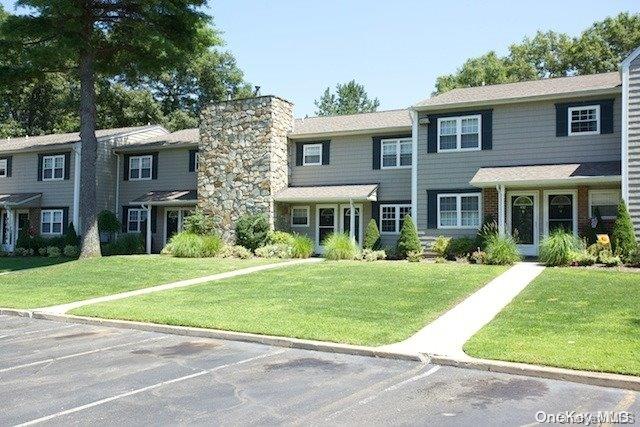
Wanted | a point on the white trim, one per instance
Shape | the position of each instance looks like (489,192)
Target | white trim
(306,208)
(458,120)
(625,125)
(398,225)
(53,168)
(77,163)
(398,142)
(117,206)
(414,166)
(363,131)
(139,220)
(360,209)
(458,197)
(529,250)
(4,168)
(600,191)
(319,248)
(52,212)
(545,218)
(181,211)
(584,107)
(547,182)
(140,168)
(304,155)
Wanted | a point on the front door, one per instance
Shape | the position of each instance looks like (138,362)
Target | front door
(346,221)
(326,223)
(174,221)
(4,230)
(523,221)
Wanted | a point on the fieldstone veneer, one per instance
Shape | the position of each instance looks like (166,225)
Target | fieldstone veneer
(243,158)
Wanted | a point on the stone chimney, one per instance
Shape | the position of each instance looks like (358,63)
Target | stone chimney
(243,159)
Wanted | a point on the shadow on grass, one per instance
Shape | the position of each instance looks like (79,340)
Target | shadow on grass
(9,264)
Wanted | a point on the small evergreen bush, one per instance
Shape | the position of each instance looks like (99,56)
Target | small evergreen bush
(460,247)
(108,222)
(415,256)
(71,251)
(252,231)
(633,259)
(70,236)
(441,246)
(371,235)
(608,259)
(408,241)
(338,246)
(280,238)
(53,252)
(623,238)
(583,258)
(199,223)
(558,248)
(302,246)
(126,244)
(502,250)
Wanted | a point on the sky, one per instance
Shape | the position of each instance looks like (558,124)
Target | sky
(395,48)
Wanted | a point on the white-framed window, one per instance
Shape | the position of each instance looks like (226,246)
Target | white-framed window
(462,133)
(51,221)
(604,201)
(3,168)
(135,220)
(391,217)
(459,210)
(53,167)
(311,154)
(395,153)
(300,216)
(584,120)
(140,167)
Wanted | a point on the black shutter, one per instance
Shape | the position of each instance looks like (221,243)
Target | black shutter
(561,120)
(432,209)
(9,161)
(606,116)
(40,157)
(326,152)
(125,217)
(154,166)
(67,165)
(154,218)
(125,172)
(299,153)
(376,151)
(65,220)
(487,129)
(432,135)
(375,213)
(192,160)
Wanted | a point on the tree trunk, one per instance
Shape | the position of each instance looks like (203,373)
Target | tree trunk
(88,155)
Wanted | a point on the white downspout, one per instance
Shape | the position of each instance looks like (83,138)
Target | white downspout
(352,221)
(625,134)
(414,166)
(117,203)
(11,230)
(501,209)
(148,208)
(77,167)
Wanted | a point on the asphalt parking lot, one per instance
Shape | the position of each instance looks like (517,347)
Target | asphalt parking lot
(67,374)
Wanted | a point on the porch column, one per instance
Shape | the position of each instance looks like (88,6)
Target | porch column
(10,229)
(148,207)
(352,221)
(501,209)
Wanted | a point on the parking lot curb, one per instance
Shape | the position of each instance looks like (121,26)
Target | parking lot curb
(16,312)
(626,382)
(234,336)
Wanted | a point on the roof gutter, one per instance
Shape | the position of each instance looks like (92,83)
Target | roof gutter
(350,132)
(550,182)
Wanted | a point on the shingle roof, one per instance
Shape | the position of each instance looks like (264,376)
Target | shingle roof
(529,89)
(31,142)
(318,193)
(540,173)
(17,198)
(181,137)
(171,196)
(352,123)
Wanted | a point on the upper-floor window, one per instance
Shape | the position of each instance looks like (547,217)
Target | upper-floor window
(4,168)
(391,217)
(584,120)
(135,220)
(51,221)
(459,210)
(396,153)
(53,167)
(312,154)
(140,167)
(459,133)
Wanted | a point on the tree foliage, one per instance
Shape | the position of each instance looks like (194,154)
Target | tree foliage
(349,98)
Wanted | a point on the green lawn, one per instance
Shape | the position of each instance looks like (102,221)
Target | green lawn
(83,279)
(350,302)
(572,318)
(8,264)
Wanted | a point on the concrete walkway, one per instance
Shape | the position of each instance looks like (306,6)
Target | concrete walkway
(63,308)
(447,334)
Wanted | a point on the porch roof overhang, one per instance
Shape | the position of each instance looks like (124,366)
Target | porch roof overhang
(18,199)
(548,175)
(328,193)
(168,198)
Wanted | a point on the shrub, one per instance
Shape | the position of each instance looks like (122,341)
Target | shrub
(70,236)
(4,253)
(489,229)
(608,259)
(502,250)
(339,246)
(280,238)
(71,251)
(23,252)
(583,258)
(439,260)
(108,222)
(557,248)
(441,246)
(235,252)
(53,252)
(42,251)
(126,244)
(199,223)
(478,257)
(302,246)
(211,245)
(274,251)
(371,235)
(371,255)
(623,238)
(185,245)
(460,247)
(634,258)
(408,241)
(415,256)
(252,231)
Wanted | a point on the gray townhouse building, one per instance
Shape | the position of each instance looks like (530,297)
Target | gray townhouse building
(534,156)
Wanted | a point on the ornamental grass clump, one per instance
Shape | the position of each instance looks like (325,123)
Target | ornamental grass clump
(502,250)
(185,245)
(302,246)
(559,248)
(338,246)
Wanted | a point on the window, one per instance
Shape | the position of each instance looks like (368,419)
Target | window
(605,202)
(53,167)
(459,133)
(3,168)
(396,153)
(584,120)
(135,220)
(140,167)
(459,210)
(51,221)
(300,216)
(196,161)
(311,154)
(391,217)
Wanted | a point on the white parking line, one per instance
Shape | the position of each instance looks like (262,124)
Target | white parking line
(147,388)
(84,353)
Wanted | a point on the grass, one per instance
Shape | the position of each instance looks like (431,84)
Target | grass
(8,264)
(83,279)
(571,318)
(349,302)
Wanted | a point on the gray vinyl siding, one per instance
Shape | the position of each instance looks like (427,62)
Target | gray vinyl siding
(106,176)
(523,134)
(351,162)
(634,143)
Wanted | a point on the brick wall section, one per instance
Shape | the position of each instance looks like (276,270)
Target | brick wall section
(34,219)
(584,221)
(490,203)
